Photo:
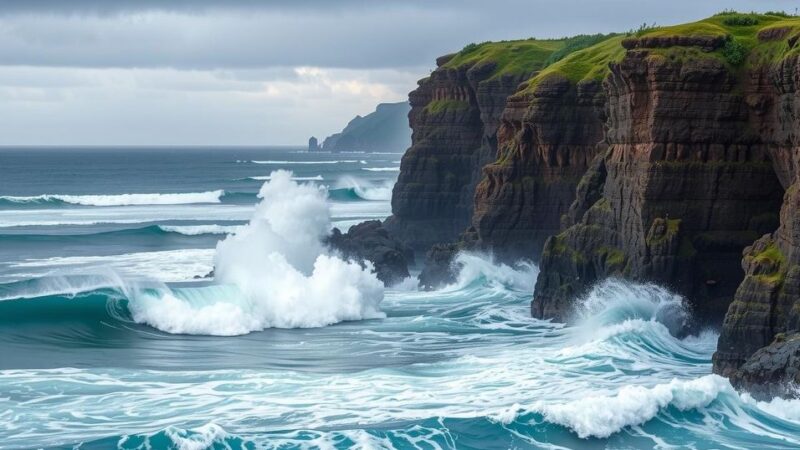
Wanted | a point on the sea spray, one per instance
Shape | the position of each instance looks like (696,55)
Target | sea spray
(282,272)
(477,268)
(614,301)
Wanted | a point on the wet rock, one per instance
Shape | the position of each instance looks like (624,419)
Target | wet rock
(369,241)
(772,371)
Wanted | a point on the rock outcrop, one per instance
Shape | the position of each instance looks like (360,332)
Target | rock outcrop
(455,116)
(684,185)
(767,303)
(384,130)
(546,141)
(369,241)
(772,371)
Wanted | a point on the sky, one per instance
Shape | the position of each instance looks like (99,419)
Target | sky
(258,72)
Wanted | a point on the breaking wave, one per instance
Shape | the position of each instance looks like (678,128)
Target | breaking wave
(118,199)
(277,274)
(277,163)
(349,189)
(381,169)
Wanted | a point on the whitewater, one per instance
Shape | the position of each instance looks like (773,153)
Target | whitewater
(112,336)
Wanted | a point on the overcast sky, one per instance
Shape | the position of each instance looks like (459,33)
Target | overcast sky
(202,72)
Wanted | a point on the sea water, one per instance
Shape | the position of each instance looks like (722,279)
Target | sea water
(112,336)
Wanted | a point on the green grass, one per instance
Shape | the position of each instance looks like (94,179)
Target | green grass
(742,49)
(591,63)
(440,106)
(509,57)
(574,44)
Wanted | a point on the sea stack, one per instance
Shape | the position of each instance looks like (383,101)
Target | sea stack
(313,144)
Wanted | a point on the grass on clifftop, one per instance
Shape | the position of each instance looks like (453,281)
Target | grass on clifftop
(509,57)
(743,48)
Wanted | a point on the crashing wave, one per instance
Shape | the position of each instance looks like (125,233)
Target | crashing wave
(600,416)
(615,301)
(476,268)
(267,178)
(277,272)
(198,230)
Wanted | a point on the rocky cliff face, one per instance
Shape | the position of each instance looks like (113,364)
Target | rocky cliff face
(547,139)
(668,156)
(767,303)
(454,116)
(685,184)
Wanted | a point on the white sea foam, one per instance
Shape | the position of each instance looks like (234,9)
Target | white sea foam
(613,301)
(475,267)
(267,178)
(282,272)
(197,230)
(381,169)
(124,199)
(344,161)
(165,266)
(603,415)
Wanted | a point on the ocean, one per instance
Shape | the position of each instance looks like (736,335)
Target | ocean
(113,336)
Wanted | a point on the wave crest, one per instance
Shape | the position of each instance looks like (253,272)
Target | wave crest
(602,416)
(119,199)
(476,268)
(615,301)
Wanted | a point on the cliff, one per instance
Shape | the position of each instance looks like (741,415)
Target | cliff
(455,116)
(698,162)
(384,130)
(668,155)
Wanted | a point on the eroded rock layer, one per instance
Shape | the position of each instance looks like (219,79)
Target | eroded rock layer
(685,184)
(546,141)
(767,303)
(455,115)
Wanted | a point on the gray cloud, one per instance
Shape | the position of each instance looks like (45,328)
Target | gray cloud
(256,72)
(201,34)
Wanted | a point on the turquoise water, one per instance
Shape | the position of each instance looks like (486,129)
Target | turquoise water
(89,293)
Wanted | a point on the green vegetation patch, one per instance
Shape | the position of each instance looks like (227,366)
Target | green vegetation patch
(742,48)
(614,258)
(591,63)
(576,43)
(771,256)
(440,106)
(508,57)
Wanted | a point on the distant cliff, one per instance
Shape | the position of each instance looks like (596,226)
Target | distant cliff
(667,155)
(384,130)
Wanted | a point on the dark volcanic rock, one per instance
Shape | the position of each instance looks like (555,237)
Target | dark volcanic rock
(767,302)
(455,114)
(683,187)
(370,241)
(772,371)
(439,267)
(546,142)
